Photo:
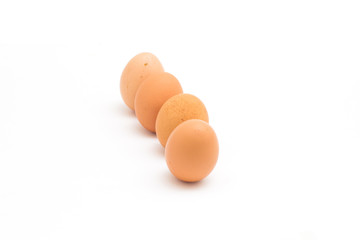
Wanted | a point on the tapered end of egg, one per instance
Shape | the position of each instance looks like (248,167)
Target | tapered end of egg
(135,72)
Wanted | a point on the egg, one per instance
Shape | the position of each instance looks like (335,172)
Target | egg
(192,150)
(152,94)
(135,72)
(176,110)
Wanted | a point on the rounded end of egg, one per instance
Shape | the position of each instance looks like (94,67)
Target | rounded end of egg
(178,109)
(192,150)
(152,94)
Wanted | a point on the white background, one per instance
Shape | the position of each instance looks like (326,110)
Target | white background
(281,83)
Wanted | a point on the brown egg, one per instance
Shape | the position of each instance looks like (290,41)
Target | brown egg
(176,110)
(152,94)
(192,150)
(137,69)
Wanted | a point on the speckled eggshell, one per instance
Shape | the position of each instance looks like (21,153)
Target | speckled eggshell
(192,150)
(152,94)
(135,72)
(176,110)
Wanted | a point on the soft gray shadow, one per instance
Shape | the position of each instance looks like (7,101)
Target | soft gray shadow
(124,110)
(138,129)
(172,180)
(159,150)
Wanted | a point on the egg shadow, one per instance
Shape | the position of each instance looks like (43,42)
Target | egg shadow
(136,127)
(160,150)
(139,129)
(125,111)
(174,182)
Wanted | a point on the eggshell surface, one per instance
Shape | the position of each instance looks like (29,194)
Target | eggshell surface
(176,110)
(152,94)
(192,150)
(135,72)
